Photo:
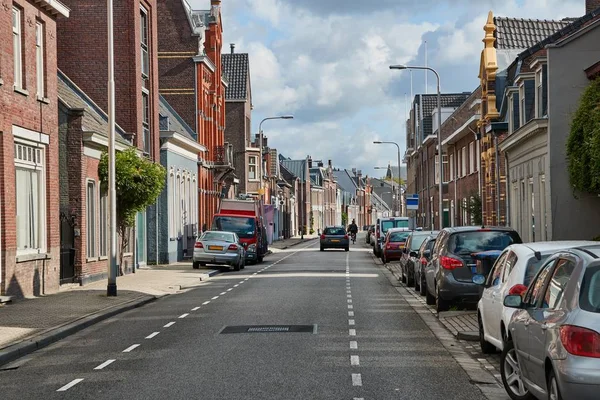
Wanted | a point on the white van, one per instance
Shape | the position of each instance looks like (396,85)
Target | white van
(381,228)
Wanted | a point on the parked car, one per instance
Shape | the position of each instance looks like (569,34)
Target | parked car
(424,256)
(394,244)
(370,229)
(410,256)
(381,228)
(511,274)
(373,239)
(220,248)
(335,237)
(553,347)
(450,273)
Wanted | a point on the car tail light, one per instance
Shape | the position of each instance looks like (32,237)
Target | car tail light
(199,245)
(322,237)
(233,247)
(580,341)
(345,236)
(423,261)
(450,263)
(517,289)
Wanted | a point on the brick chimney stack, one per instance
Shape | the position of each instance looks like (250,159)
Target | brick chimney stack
(591,5)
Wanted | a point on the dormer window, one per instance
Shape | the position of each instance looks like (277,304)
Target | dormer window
(541,101)
(522,114)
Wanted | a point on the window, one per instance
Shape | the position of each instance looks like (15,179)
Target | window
(522,113)
(543,225)
(532,211)
(472,157)
(146,120)
(534,294)
(90,219)
(511,261)
(144,39)
(451,167)
(171,189)
(17,47)
(495,278)
(437,169)
(471,215)
(252,168)
(464,161)
(465,212)
(40,59)
(539,94)
(556,287)
(446,170)
(30,198)
(103,225)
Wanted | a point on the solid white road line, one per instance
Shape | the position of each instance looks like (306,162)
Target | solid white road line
(131,348)
(170,324)
(352,332)
(354,361)
(69,385)
(351,313)
(153,334)
(206,302)
(354,345)
(214,298)
(184,315)
(195,308)
(356,380)
(104,364)
(351,322)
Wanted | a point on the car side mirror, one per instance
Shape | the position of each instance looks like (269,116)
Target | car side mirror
(478,279)
(513,301)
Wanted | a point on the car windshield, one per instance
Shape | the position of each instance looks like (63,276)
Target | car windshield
(244,227)
(335,231)
(417,241)
(387,225)
(398,237)
(221,236)
(589,296)
(533,266)
(466,243)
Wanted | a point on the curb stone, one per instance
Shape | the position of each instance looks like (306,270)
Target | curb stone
(27,346)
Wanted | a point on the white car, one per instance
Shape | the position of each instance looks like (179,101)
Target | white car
(517,265)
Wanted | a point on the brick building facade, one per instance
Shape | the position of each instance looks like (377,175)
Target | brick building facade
(29,179)
(192,82)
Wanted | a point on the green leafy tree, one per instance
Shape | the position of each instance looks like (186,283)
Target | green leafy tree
(583,144)
(344,219)
(474,209)
(396,179)
(139,182)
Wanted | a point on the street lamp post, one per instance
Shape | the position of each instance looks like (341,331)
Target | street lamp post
(398,146)
(111,287)
(439,136)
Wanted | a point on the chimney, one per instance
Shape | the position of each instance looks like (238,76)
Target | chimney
(329,163)
(320,164)
(309,162)
(591,5)
(232,45)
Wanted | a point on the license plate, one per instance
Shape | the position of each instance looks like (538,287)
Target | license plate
(335,241)
(215,248)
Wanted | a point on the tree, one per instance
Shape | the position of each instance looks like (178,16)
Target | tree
(344,219)
(583,144)
(474,209)
(396,179)
(139,182)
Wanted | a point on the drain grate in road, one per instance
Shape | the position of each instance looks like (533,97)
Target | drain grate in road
(270,329)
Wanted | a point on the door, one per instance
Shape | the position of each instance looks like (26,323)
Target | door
(67,248)
(546,317)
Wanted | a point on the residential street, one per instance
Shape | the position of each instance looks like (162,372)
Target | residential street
(361,340)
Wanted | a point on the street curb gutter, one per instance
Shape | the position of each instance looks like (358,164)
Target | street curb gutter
(53,335)
(209,274)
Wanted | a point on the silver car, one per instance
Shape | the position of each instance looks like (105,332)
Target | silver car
(553,349)
(221,248)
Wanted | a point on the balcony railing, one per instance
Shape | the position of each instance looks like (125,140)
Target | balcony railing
(224,155)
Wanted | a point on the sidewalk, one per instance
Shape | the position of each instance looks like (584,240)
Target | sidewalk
(30,324)
(291,242)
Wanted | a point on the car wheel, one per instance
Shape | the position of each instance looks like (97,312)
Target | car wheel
(322,248)
(347,249)
(429,298)
(196,265)
(440,304)
(243,263)
(237,266)
(511,374)
(423,289)
(383,259)
(417,285)
(410,280)
(260,259)
(553,389)
(486,347)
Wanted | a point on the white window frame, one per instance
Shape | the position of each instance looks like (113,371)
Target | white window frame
(543,209)
(539,93)
(511,114)
(146,121)
(531,213)
(17,15)
(522,116)
(465,213)
(452,167)
(437,169)
(103,224)
(255,165)
(464,161)
(40,59)
(514,207)
(472,157)
(90,218)
(178,204)
(145,45)
(172,203)
(24,160)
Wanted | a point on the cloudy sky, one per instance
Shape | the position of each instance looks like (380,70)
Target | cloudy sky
(326,62)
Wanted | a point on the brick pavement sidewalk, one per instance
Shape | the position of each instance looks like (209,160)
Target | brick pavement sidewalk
(29,324)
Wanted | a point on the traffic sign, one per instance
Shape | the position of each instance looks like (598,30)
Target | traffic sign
(412,201)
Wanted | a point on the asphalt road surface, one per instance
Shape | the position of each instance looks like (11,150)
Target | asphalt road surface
(303,325)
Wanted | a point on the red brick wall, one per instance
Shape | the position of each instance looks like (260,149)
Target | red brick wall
(41,276)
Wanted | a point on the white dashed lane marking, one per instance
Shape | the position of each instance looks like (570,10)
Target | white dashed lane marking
(104,364)
(69,385)
(184,315)
(351,313)
(353,345)
(222,293)
(356,380)
(195,308)
(350,306)
(214,298)
(354,361)
(349,301)
(230,289)
(153,334)
(131,348)
(206,302)
(351,322)
(170,324)
(352,332)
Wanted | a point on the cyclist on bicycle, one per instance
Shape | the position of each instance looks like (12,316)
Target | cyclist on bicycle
(353,229)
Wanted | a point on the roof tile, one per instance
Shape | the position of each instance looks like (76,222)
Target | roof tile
(236,67)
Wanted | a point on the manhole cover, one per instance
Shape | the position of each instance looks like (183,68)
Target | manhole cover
(270,329)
